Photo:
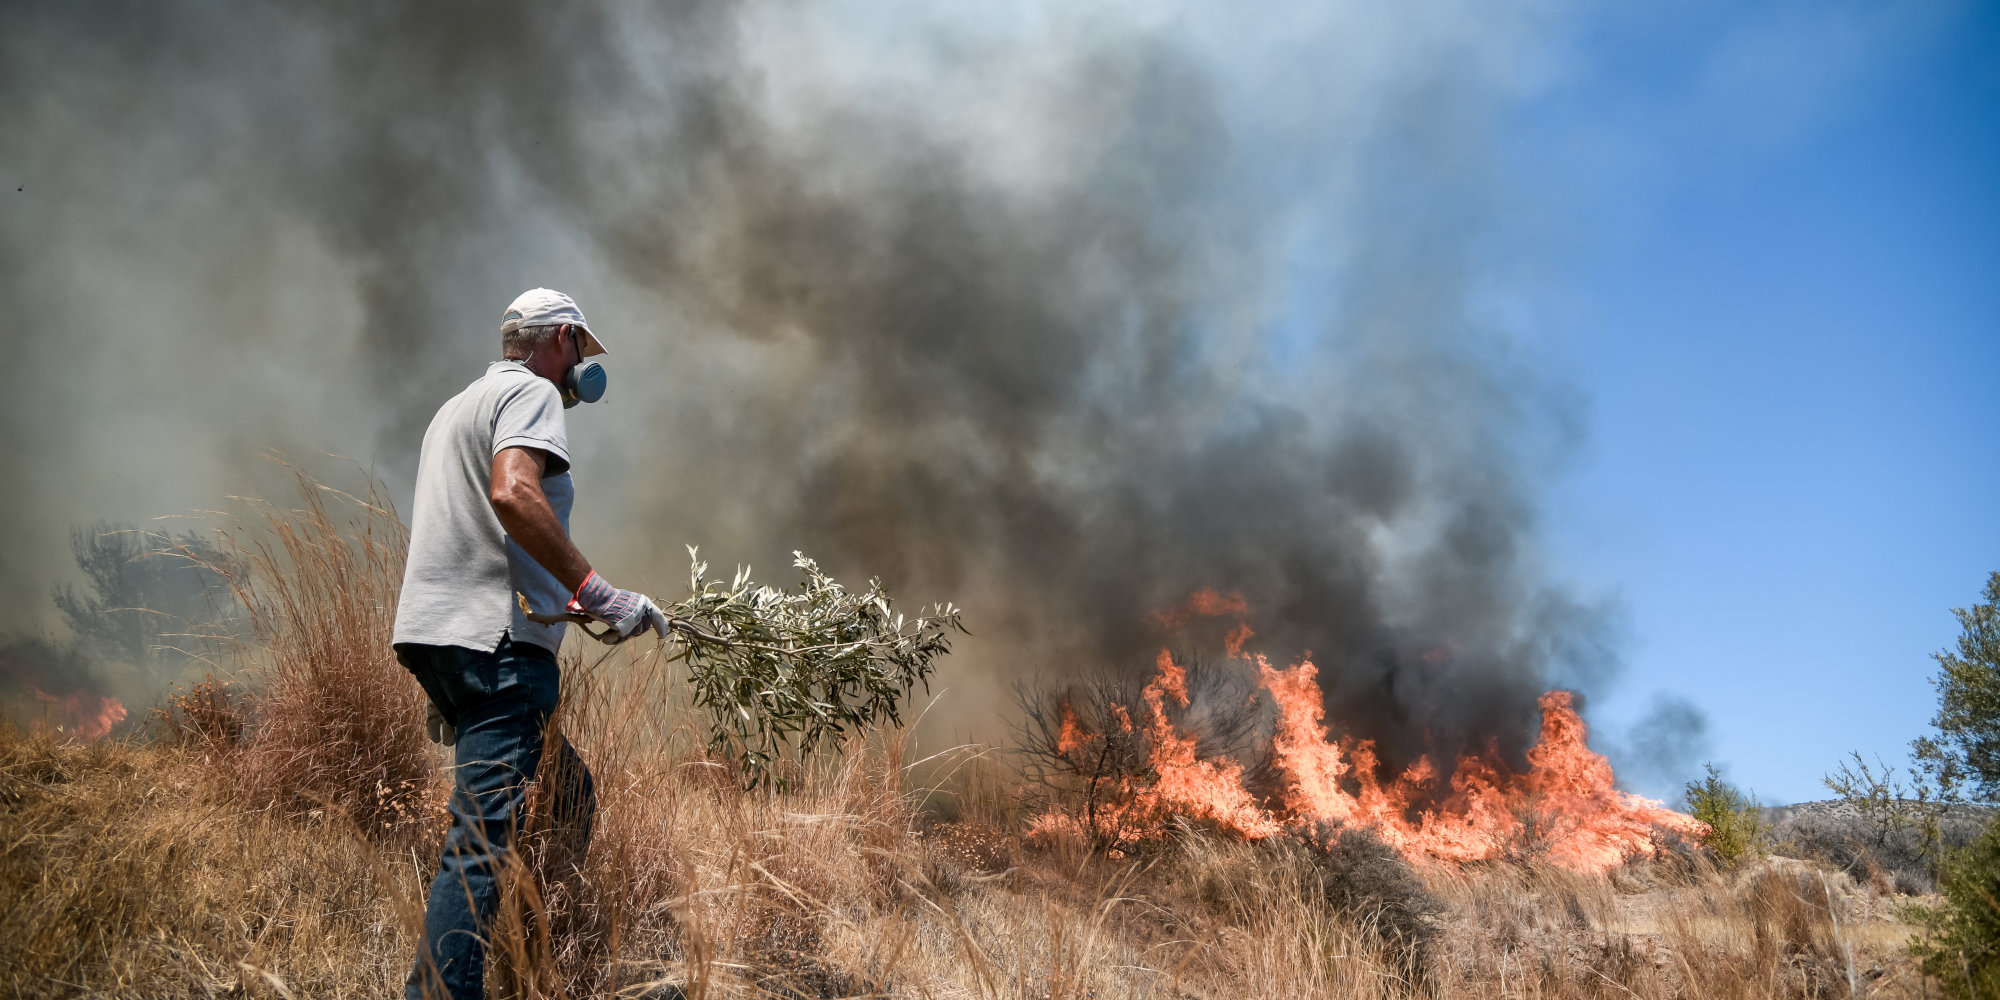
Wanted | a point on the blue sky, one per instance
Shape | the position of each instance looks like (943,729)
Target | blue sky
(1779,299)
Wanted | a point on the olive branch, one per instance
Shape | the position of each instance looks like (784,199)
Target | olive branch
(794,667)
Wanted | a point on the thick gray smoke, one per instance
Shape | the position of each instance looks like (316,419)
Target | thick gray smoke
(1059,315)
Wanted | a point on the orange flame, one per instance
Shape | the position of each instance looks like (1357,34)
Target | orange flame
(1233,642)
(81,714)
(1205,603)
(1566,807)
(1069,737)
(1205,788)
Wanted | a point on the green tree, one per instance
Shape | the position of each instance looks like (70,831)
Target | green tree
(1968,717)
(1735,821)
(1960,943)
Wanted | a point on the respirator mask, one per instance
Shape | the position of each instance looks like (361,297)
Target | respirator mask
(585,380)
(583,383)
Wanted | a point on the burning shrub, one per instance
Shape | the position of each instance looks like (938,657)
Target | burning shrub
(1090,744)
(47,684)
(1122,769)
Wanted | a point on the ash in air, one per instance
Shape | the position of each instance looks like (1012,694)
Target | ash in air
(1060,316)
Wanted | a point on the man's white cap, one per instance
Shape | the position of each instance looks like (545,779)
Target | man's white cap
(548,307)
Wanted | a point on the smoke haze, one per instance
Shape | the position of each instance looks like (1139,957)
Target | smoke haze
(1056,313)
(1665,748)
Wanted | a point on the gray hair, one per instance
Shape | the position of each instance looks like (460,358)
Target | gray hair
(522,341)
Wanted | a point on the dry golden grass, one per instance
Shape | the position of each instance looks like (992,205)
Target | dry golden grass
(128,872)
(132,871)
(285,853)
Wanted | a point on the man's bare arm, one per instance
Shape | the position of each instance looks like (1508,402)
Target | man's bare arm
(525,512)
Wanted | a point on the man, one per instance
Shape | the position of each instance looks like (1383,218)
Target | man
(491,519)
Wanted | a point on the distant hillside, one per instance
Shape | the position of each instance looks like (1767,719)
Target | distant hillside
(1965,815)
(1834,832)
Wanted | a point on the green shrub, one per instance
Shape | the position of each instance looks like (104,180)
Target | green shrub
(1735,821)
(1960,941)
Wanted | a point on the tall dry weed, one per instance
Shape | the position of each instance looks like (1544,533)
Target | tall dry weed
(338,723)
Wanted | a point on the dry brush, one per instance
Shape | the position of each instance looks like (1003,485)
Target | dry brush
(278,844)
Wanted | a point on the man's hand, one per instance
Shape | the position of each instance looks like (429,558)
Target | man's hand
(627,611)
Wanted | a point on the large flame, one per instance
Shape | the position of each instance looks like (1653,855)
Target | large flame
(1204,788)
(1566,807)
(1181,783)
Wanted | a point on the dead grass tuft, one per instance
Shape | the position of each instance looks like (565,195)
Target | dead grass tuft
(208,717)
(339,724)
(1363,880)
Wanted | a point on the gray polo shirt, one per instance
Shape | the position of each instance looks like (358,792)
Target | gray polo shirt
(463,570)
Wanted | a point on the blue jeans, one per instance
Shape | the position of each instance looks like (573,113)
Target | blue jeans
(500,703)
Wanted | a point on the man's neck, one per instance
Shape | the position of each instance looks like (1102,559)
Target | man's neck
(529,363)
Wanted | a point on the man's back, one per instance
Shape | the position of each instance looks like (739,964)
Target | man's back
(493,486)
(463,570)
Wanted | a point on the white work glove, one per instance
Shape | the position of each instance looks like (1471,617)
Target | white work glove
(626,611)
(439,730)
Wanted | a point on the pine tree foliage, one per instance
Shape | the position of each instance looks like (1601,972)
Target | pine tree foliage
(1735,824)
(150,599)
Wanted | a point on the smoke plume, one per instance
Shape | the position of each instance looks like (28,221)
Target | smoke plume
(1665,747)
(1057,313)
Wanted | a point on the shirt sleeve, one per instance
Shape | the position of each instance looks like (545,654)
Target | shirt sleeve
(532,417)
